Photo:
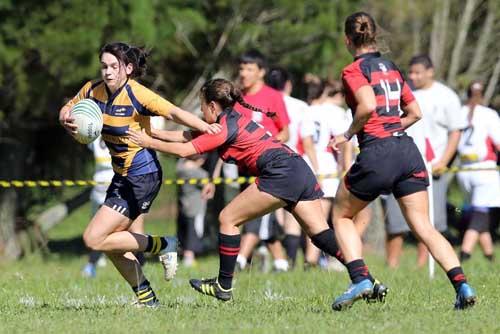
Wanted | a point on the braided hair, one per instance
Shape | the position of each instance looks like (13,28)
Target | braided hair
(128,54)
(226,94)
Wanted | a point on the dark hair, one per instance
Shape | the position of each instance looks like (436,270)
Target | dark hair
(333,87)
(475,89)
(253,57)
(226,94)
(422,59)
(128,54)
(361,29)
(315,87)
(277,78)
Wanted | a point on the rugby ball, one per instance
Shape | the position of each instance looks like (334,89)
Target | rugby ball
(88,118)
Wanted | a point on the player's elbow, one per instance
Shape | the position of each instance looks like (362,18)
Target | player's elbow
(366,108)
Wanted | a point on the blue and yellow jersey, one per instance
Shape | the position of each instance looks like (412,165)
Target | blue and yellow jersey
(130,107)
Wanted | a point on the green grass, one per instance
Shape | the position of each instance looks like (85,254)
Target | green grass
(49,296)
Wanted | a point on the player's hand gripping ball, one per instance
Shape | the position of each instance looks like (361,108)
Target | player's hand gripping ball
(88,117)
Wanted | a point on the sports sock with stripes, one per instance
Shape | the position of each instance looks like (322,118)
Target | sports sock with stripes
(229,247)
(155,244)
(457,277)
(145,294)
(358,271)
(327,243)
(291,243)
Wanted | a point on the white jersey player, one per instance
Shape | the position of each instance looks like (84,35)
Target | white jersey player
(321,123)
(297,110)
(477,150)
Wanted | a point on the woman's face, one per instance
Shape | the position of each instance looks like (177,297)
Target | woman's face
(113,71)
(210,111)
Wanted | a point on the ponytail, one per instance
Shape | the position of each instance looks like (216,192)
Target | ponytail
(224,93)
(237,96)
(361,29)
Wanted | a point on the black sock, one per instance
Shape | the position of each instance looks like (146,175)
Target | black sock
(291,244)
(229,247)
(358,271)
(155,244)
(489,257)
(145,294)
(464,256)
(140,258)
(457,277)
(94,256)
(327,243)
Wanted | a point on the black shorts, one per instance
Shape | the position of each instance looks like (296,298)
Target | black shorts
(133,195)
(389,165)
(287,176)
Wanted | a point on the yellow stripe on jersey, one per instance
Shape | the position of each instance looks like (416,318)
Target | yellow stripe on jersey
(129,108)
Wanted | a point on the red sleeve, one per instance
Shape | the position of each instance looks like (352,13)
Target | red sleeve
(407,96)
(353,78)
(206,142)
(281,120)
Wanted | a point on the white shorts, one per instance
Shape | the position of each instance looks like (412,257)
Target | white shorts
(482,187)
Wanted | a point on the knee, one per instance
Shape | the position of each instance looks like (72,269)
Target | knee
(226,218)
(92,242)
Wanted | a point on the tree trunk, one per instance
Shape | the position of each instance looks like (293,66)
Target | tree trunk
(9,245)
(416,28)
(483,41)
(11,168)
(492,84)
(438,35)
(458,49)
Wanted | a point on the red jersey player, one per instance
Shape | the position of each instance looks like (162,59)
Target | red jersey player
(284,180)
(389,161)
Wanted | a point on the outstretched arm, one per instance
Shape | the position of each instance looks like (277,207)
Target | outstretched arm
(171,136)
(185,118)
(142,139)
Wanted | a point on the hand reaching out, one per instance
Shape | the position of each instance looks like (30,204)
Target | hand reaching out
(140,138)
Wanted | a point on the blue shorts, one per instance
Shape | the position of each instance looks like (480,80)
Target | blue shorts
(288,177)
(389,165)
(133,195)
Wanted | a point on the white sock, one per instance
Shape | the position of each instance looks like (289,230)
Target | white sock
(281,264)
(242,261)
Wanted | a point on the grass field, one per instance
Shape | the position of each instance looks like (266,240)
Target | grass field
(49,296)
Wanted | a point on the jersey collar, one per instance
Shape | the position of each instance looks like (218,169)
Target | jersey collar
(368,55)
(224,112)
(111,97)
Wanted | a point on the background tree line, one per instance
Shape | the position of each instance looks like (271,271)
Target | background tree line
(48,49)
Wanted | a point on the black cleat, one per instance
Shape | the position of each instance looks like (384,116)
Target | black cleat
(212,288)
(379,293)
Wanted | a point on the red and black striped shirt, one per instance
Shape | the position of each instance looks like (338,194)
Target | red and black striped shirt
(391,91)
(241,141)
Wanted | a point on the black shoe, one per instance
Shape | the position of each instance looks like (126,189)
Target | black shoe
(379,293)
(212,288)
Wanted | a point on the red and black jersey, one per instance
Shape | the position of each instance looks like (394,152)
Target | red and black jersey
(241,141)
(391,91)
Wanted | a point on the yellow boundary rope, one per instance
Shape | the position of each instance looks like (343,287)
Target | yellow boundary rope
(168,181)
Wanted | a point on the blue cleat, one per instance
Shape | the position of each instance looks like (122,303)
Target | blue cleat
(356,291)
(466,297)
(89,271)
